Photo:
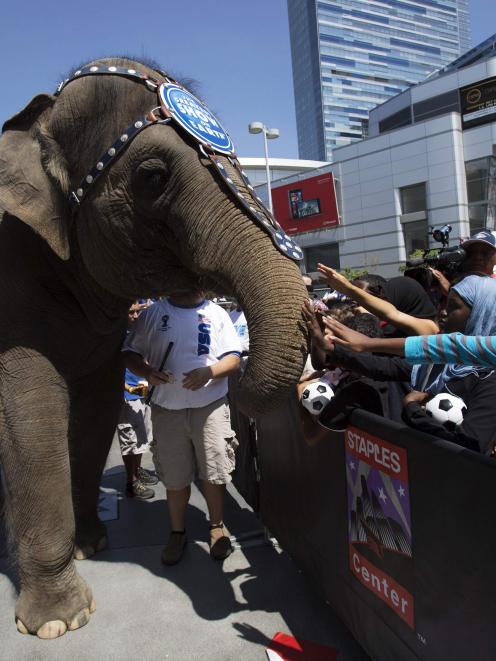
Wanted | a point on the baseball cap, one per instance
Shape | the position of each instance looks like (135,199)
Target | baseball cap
(481,237)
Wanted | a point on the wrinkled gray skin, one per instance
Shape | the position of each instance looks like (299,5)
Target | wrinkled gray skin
(157,221)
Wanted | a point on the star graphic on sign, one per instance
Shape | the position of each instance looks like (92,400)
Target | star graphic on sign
(401,491)
(352,465)
(382,495)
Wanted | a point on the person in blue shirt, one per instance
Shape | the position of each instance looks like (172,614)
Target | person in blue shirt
(134,429)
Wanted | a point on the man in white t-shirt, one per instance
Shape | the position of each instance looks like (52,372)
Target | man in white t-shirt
(190,414)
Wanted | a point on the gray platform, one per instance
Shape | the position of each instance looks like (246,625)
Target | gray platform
(196,610)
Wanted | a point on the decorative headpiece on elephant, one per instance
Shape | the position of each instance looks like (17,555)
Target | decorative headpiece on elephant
(93,220)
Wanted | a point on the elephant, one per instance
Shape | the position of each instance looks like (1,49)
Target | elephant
(158,220)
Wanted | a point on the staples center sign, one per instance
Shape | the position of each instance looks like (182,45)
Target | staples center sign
(379,522)
(305,205)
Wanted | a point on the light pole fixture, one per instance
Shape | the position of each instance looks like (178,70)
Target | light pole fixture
(269,134)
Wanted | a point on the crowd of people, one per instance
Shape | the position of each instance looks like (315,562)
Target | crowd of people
(387,346)
(426,330)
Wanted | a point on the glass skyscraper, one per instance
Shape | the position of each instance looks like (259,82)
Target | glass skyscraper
(349,56)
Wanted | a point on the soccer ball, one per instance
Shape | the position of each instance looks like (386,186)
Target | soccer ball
(447,409)
(316,395)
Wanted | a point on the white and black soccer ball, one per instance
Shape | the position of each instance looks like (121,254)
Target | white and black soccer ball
(316,395)
(447,409)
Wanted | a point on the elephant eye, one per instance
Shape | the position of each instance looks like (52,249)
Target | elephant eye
(151,177)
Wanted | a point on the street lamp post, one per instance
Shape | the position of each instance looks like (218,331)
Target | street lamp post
(268,134)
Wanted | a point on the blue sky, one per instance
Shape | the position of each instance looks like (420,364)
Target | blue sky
(238,50)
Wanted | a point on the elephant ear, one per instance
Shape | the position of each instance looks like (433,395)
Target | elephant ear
(33,174)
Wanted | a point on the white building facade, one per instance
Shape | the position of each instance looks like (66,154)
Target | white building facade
(279,168)
(430,160)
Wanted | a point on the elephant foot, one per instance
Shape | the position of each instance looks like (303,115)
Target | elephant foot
(91,537)
(49,614)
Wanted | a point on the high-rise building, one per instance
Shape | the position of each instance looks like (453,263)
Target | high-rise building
(349,56)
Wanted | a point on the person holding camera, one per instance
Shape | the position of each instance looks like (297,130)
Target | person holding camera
(475,255)
(436,273)
(479,258)
(480,253)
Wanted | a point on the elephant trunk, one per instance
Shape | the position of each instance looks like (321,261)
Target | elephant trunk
(271,294)
(242,259)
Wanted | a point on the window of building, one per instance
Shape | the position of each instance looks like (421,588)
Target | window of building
(477,215)
(437,105)
(413,198)
(326,253)
(397,120)
(477,179)
(481,193)
(415,235)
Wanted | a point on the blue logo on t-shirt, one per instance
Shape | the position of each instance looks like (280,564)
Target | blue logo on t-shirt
(165,322)
(242,330)
(203,338)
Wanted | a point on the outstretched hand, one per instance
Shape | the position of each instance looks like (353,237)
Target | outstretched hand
(335,280)
(316,334)
(346,337)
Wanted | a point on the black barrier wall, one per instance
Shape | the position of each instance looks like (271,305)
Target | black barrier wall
(246,474)
(394,528)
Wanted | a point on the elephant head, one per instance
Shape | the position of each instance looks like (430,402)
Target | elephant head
(160,219)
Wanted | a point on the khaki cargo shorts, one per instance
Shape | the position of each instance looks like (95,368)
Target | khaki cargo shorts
(135,427)
(193,440)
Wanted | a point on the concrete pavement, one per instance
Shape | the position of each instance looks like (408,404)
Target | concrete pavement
(196,610)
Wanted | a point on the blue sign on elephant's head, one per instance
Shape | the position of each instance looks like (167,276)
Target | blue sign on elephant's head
(195,118)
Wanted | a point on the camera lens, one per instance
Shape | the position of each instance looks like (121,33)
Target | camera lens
(441,235)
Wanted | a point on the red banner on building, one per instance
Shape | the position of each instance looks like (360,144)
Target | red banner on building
(307,204)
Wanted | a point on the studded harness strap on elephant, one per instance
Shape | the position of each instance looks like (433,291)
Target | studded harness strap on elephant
(94,216)
(163,114)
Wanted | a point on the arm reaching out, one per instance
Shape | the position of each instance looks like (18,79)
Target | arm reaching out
(378,306)
(320,345)
(356,341)
(438,349)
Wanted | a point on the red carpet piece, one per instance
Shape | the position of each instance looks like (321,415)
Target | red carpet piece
(287,648)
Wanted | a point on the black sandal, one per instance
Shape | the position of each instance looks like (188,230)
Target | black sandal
(222,547)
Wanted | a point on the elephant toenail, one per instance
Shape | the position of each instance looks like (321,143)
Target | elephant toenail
(80,620)
(83,552)
(92,606)
(52,629)
(21,627)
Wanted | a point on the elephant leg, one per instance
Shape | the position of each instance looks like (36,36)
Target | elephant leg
(35,460)
(95,404)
